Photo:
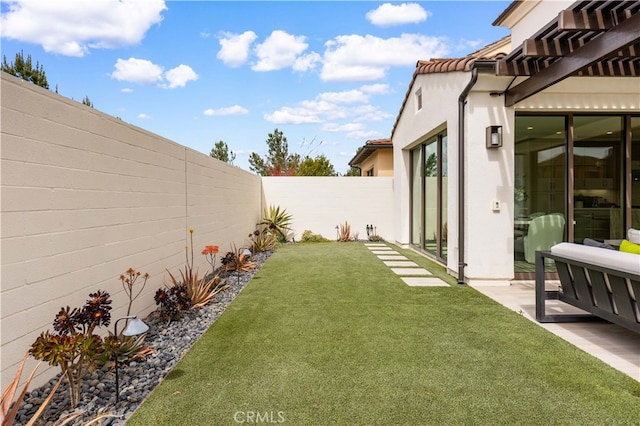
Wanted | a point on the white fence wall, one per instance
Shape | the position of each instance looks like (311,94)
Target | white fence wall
(319,204)
(85,196)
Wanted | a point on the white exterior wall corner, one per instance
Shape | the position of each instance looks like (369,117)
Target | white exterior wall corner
(85,196)
(319,204)
(489,175)
(440,92)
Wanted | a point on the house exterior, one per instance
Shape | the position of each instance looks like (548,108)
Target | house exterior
(374,158)
(544,121)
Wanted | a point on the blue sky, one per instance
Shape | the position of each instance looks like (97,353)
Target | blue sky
(331,75)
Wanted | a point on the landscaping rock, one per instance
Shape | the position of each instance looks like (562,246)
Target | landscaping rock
(170,341)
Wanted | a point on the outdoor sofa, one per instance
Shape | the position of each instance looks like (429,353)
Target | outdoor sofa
(602,282)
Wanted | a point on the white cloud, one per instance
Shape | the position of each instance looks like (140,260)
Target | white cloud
(330,106)
(74,27)
(306,62)
(279,50)
(349,127)
(127,90)
(376,89)
(232,110)
(288,115)
(234,48)
(348,97)
(180,76)
(144,116)
(139,71)
(142,71)
(397,14)
(365,58)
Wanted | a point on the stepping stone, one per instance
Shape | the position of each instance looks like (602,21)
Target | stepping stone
(380,248)
(403,263)
(384,252)
(411,271)
(424,282)
(375,245)
(392,257)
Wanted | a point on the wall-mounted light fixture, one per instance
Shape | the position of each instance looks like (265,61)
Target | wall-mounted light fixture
(494,136)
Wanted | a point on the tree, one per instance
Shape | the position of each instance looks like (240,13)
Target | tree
(221,152)
(24,69)
(86,101)
(278,161)
(319,166)
(354,171)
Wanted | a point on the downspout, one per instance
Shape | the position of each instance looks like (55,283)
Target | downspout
(462,100)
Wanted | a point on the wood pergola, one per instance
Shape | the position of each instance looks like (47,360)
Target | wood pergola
(592,38)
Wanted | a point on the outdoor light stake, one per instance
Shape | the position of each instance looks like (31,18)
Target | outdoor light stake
(134,328)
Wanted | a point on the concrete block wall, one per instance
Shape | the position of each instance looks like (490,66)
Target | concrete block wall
(85,196)
(319,204)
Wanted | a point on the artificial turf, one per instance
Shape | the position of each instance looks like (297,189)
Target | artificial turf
(326,334)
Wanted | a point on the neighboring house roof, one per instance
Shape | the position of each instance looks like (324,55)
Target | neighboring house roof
(494,51)
(369,148)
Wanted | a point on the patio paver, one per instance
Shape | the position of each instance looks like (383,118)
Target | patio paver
(424,282)
(392,257)
(400,263)
(384,252)
(410,271)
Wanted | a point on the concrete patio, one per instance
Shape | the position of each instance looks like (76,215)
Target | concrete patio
(613,344)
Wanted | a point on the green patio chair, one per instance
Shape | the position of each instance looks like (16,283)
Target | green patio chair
(544,232)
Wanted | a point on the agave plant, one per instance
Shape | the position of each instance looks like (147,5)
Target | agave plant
(200,290)
(277,221)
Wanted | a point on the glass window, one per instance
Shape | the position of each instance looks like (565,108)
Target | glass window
(635,172)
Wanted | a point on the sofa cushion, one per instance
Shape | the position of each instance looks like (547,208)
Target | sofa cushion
(633,235)
(617,260)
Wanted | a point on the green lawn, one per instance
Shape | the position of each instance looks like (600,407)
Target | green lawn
(326,334)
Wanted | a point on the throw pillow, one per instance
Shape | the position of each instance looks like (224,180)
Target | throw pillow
(595,243)
(629,247)
(633,235)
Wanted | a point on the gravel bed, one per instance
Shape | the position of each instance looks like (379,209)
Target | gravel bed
(170,341)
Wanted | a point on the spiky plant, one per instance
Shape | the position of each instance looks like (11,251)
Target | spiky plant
(262,241)
(277,221)
(344,233)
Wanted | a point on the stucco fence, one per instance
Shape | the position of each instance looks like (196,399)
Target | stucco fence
(84,196)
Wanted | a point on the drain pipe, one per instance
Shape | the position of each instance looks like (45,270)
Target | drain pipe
(462,100)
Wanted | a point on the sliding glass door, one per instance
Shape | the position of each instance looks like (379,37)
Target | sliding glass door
(429,230)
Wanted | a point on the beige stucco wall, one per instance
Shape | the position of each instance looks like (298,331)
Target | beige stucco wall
(85,196)
(319,204)
(381,161)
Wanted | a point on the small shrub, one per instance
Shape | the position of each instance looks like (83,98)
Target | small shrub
(75,349)
(172,301)
(262,241)
(375,238)
(310,237)
(236,260)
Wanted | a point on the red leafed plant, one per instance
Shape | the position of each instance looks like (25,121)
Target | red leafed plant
(74,347)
